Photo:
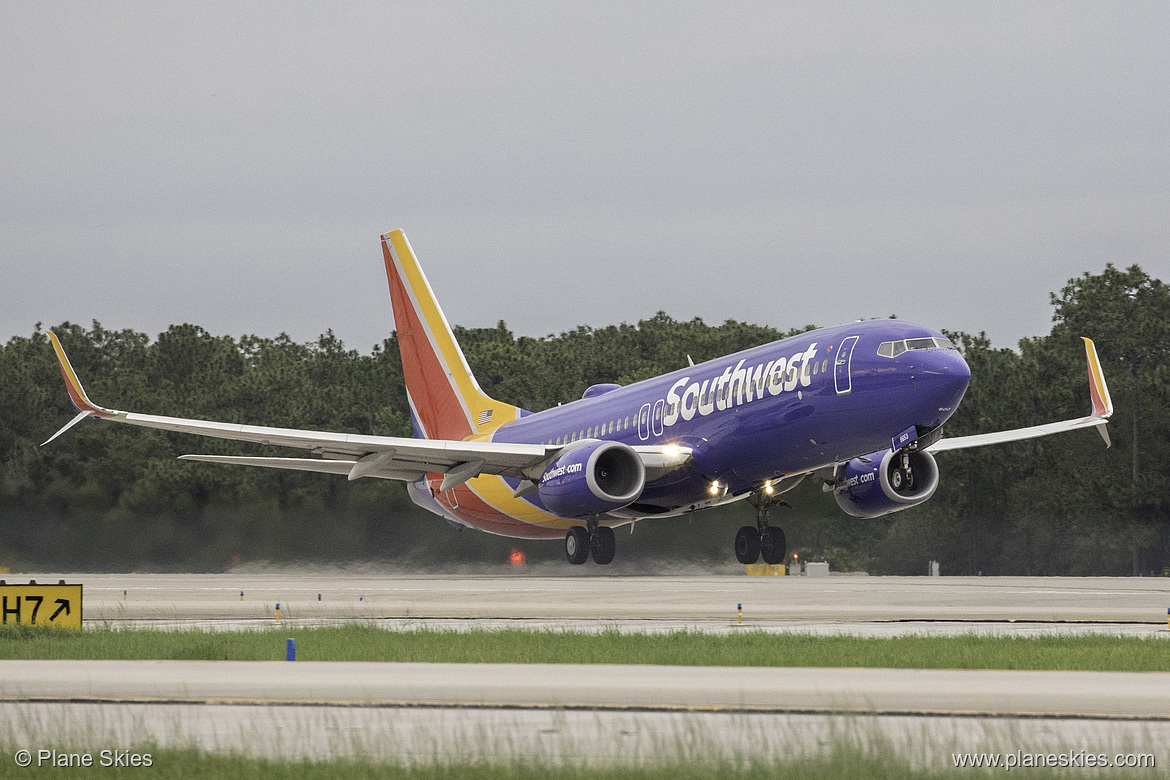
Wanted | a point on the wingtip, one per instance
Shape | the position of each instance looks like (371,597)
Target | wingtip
(1098,390)
(76,392)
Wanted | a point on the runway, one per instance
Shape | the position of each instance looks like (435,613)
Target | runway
(836,604)
(597,686)
(597,715)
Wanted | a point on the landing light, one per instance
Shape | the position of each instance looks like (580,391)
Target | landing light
(671,450)
(714,488)
(768,487)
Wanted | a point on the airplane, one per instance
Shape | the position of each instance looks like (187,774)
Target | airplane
(859,407)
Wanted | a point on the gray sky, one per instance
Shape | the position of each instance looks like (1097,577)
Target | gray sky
(561,164)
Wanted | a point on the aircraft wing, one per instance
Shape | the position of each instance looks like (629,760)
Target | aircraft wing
(338,453)
(355,455)
(1102,410)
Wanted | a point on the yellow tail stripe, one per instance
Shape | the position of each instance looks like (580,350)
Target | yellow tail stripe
(460,372)
(495,491)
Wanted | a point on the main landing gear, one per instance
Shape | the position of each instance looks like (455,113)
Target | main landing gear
(764,540)
(593,539)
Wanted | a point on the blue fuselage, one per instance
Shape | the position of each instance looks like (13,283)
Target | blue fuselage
(785,408)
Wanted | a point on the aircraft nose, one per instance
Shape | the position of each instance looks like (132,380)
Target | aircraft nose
(947,375)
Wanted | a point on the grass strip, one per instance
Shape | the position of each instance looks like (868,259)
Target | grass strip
(839,762)
(683,648)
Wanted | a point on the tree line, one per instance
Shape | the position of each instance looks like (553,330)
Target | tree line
(112,497)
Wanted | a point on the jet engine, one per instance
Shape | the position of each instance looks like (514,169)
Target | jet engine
(592,479)
(884,482)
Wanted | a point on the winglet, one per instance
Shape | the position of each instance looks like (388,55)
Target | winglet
(76,392)
(1102,403)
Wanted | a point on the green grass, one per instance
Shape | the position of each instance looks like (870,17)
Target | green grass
(750,648)
(839,762)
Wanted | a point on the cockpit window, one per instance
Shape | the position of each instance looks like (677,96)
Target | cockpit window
(894,348)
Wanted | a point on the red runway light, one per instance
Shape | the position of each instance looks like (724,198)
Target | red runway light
(517,558)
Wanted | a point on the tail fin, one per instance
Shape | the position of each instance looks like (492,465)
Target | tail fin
(445,400)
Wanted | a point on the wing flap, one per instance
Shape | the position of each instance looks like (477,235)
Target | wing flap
(497,456)
(305,464)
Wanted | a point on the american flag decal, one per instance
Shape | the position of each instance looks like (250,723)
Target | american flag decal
(485,417)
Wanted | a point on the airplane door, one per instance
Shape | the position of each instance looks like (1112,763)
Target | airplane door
(841,365)
(656,418)
(644,422)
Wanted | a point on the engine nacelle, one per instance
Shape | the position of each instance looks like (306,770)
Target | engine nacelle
(592,479)
(885,482)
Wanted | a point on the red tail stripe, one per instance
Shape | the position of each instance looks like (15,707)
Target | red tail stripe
(440,413)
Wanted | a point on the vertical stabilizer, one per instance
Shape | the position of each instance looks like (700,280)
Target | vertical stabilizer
(445,400)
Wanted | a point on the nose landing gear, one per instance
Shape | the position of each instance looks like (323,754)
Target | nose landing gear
(902,477)
(764,540)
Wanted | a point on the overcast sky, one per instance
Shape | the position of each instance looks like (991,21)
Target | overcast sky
(582,163)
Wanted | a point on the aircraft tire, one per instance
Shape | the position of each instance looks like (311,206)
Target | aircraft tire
(577,545)
(747,545)
(604,545)
(773,545)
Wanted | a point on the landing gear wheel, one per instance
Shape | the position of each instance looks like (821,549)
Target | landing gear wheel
(577,545)
(773,545)
(896,478)
(747,545)
(604,545)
